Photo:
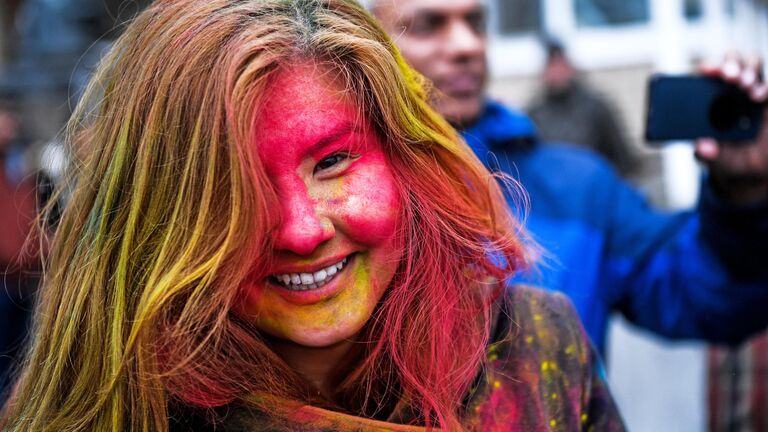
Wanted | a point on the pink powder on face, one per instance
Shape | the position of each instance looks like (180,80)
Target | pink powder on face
(338,200)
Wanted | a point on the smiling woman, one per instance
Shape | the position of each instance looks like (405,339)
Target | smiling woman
(270,229)
(335,249)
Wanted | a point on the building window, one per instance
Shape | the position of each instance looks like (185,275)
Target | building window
(693,9)
(518,16)
(604,13)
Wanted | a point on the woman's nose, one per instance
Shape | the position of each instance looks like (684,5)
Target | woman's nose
(303,227)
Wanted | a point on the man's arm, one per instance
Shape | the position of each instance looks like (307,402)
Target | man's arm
(689,275)
(709,278)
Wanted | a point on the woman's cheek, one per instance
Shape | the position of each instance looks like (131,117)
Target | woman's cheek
(372,205)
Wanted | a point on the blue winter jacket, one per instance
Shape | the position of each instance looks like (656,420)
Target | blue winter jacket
(696,274)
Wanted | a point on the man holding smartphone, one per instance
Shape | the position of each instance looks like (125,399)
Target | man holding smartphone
(697,274)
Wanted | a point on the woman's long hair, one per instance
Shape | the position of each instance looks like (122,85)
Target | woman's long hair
(170,213)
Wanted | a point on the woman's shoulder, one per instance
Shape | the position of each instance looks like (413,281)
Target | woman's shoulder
(537,329)
(534,299)
(541,371)
(528,314)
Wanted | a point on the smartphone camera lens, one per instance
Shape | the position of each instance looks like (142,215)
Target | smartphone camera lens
(731,109)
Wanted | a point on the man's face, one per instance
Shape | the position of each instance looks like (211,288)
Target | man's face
(558,74)
(445,41)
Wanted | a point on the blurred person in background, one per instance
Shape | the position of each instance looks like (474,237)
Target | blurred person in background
(567,110)
(56,45)
(737,381)
(52,48)
(18,260)
(696,274)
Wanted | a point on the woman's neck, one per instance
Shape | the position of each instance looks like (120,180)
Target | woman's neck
(320,366)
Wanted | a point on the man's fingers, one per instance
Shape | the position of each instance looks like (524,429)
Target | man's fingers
(751,72)
(709,68)
(759,92)
(731,70)
(732,67)
(707,149)
(748,77)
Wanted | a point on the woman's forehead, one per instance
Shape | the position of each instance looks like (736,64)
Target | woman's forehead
(304,103)
(305,84)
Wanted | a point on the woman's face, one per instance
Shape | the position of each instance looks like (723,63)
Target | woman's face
(335,249)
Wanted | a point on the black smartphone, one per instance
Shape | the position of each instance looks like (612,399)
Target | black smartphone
(686,107)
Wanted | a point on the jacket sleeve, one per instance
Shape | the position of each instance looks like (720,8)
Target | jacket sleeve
(697,274)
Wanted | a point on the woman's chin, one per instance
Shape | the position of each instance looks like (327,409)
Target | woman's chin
(323,339)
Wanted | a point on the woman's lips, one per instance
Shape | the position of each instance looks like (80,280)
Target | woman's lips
(307,288)
(302,281)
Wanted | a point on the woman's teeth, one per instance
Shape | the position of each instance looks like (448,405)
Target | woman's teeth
(308,281)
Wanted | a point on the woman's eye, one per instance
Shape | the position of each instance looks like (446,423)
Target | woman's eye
(331,161)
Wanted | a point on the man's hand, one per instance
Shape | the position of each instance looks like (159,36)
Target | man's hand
(739,173)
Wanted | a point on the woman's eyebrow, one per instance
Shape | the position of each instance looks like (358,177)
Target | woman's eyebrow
(333,135)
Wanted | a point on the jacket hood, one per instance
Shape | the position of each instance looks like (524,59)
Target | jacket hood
(499,126)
